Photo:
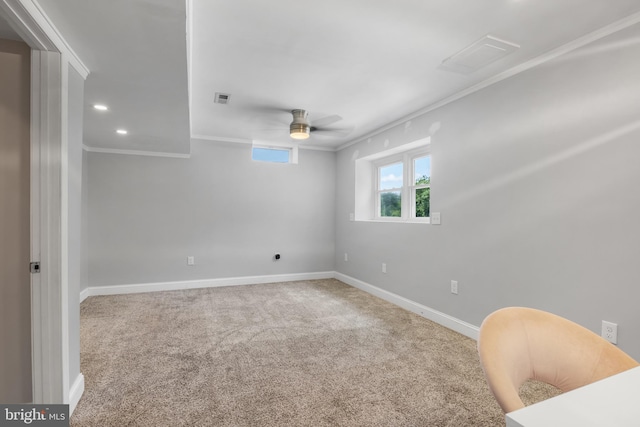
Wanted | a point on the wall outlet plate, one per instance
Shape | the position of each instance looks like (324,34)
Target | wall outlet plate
(454,287)
(435,218)
(610,331)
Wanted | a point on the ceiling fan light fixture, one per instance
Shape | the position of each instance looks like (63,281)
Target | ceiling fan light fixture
(299,131)
(299,127)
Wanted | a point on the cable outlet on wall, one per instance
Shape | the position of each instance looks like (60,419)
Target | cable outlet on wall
(610,331)
(454,287)
(191,260)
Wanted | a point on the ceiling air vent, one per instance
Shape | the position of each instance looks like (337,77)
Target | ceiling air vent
(222,98)
(479,54)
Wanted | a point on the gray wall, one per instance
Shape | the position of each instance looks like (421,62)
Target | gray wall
(75,253)
(148,214)
(537,182)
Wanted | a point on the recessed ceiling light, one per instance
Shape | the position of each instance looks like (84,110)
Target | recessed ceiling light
(122,131)
(101,107)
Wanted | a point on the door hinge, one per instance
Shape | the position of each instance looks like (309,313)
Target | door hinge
(34,267)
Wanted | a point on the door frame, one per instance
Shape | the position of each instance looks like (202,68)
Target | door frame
(50,58)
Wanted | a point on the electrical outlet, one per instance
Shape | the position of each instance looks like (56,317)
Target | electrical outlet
(191,260)
(384,267)
(454,287)
(435,218)
(610,331)
(346,257)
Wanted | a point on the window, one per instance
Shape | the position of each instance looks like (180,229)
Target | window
(403,186)
(395,185)
(390,190)
(274,154)
(421,186)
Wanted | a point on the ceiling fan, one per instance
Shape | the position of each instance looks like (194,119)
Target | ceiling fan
(301,127)
(303,124)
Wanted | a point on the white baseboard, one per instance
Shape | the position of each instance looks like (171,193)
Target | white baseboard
(443,319)
(195,284)
(75,393)
(84,294)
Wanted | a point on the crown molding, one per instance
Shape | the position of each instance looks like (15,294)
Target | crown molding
(135,152)
(541,59)
(317,148)
(28,19)
(301,146)
(222,139)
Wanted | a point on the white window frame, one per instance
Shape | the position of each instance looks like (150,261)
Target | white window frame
(413,187)
(366,205)
(378,166)
(408,188)
(292,149)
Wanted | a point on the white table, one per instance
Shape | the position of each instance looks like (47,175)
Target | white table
(611,402)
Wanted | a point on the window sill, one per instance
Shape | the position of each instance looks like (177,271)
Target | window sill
(396,221)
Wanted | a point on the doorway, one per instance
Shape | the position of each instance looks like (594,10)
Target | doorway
(15,236)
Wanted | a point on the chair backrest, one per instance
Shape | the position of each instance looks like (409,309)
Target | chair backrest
(516,344)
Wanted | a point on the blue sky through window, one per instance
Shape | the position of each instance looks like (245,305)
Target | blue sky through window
(422,167)
(391,176)
(275,155)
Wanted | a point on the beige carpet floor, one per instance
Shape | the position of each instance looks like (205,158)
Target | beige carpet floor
(308,353)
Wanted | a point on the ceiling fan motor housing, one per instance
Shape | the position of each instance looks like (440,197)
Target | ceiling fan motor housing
(299,127)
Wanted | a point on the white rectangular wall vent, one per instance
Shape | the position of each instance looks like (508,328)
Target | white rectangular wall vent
(479,54)
(222,98)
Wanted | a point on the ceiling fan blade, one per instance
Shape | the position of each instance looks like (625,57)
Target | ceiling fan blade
(336,132)
(264,110)
(267,122)
(325,121)
(268,133)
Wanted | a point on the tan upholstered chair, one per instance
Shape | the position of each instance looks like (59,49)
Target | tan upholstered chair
(516,344)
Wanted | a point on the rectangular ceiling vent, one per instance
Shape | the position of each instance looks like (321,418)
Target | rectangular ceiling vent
(479,54)
(222,98)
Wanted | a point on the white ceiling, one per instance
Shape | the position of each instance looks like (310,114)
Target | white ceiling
(136,51)
(371,62)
